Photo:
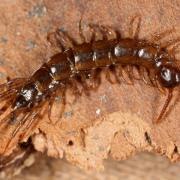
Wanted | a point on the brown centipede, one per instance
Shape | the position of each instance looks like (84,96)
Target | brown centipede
(77,62)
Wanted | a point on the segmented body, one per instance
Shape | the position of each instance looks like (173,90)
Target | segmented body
(99,54)
(79,59)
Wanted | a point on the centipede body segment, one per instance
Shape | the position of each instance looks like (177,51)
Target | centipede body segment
(76,63)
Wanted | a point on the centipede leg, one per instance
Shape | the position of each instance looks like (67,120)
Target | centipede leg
(116,75)
(54,42)
(171,43)
(174,50)
(82,81)
(65,40)
(50,104)
(32,123)
(128,69)
(108,76)
(121,73)
(125,73)
(109,33)
(95,79)
(105,31)
(74,87)
(12,84)
(135,35)
(81,34)
(63,102)
(158,37)
(166,104)
(62,39)
(5,106)
(136,75)
(142,72)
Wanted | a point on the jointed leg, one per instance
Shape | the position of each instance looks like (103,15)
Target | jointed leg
(95,78)
(105,31)
(32,123)
(109,75)
(136,74)
(144,74)
(62,39)
(75,89)
(63,102)
(21,122)
(171,43)
(125,73)
(174,50)
(81,79)
(83,39)
(135,34)
(50,104)
(156,38)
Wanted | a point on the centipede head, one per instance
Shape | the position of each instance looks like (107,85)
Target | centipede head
(169,76)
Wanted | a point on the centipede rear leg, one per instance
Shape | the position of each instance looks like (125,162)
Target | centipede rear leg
(6,106)
(33,120)
(12,84)
(12,119)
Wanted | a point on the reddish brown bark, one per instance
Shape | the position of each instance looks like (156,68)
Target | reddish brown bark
(116,120)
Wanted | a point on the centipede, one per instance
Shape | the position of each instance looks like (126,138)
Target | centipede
(77,62)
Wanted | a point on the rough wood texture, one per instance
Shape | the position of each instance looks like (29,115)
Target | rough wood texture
(142,166)
(116,120)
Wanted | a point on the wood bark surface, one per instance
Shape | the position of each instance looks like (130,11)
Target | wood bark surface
(144,166)
(114,121)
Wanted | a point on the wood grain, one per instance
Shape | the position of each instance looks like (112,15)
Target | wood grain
(115,120)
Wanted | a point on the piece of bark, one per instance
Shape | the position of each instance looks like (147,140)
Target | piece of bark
(115,120)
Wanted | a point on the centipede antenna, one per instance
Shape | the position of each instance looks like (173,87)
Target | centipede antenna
(166,104)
